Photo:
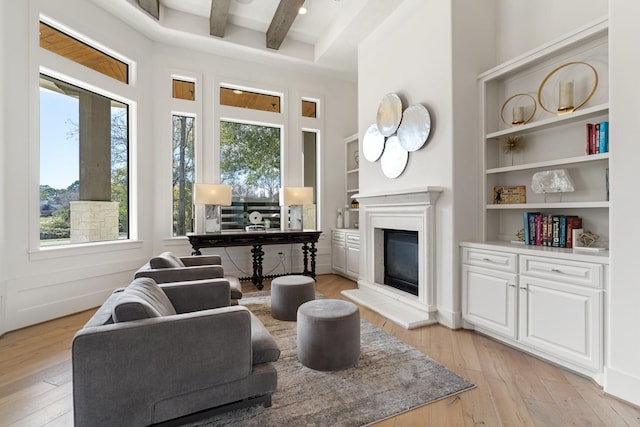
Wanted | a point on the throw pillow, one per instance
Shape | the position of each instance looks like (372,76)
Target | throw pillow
(142,299)
(166,260)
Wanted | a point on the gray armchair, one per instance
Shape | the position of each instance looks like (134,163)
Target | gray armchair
(167,267)
(154,353)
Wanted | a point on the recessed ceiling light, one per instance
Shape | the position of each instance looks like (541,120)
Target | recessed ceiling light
(302,10)
(244,1)
(237,91)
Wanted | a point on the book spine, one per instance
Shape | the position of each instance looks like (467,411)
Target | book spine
(538,230)
(555,231)
(532,228)
(563,231)
(596,138)
(604,137)
(589,137)
(525,221)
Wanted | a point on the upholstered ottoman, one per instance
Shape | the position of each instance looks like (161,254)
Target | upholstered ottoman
(288,293)
(328,334)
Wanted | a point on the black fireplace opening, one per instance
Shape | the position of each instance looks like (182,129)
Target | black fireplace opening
(401,260)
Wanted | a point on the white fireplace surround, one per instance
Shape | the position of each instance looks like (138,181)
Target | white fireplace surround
(412,210)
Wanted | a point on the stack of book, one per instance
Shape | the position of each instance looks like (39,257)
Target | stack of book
(550,230)
(597,138)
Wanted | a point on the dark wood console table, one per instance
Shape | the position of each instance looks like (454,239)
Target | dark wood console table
(308,239)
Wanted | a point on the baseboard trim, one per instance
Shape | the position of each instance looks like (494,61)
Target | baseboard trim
(622,385)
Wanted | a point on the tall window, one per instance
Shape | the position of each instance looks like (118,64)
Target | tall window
(250,162)
(183,161)
(84,165)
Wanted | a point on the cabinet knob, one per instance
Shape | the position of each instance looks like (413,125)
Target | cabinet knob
(511,285)
(555,270)
(487,259)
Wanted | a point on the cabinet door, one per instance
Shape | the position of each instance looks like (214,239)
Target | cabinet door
(562,320)
(489,299)
(353,255)
(338,253)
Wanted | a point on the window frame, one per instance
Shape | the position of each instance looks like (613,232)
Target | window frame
(61,68)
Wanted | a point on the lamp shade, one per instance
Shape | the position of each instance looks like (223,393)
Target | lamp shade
(295,196)
(212,194)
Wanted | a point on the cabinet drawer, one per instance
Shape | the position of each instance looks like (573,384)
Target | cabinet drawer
(572,272)
(501,261)
(338,236)
(353,240)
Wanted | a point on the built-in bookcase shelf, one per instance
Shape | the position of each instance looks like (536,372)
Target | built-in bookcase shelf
(548,141)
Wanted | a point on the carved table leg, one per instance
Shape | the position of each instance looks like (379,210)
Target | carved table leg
(258,255)
(313,251)
(305,251)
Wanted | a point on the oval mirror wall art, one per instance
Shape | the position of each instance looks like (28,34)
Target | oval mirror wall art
(415,127)
(389,114)
(394,159)
(372,144)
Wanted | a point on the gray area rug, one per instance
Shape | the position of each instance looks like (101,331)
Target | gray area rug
(391,377)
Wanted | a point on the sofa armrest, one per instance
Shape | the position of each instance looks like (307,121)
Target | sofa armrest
(198,295)
(125,368)
(181,274)
(201,260)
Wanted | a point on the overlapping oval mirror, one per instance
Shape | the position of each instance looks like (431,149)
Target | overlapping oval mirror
(394,159)
(372,143)
(389,114)
(415,127)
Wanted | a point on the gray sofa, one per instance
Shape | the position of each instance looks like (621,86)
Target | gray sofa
(167,267)
(153,353)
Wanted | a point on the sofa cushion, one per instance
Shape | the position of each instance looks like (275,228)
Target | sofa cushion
(263,346)
(142,299)
(166,260)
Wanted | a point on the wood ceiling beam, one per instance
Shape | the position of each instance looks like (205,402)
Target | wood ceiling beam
(151,6)
(281,23)
(218,17)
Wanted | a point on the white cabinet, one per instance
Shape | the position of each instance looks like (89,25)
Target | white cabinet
(551,305)
(549,140)
(345,253)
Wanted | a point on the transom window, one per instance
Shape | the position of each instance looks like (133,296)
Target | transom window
(73,49)
(253,100)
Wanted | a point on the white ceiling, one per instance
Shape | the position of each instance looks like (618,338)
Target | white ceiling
(326,38)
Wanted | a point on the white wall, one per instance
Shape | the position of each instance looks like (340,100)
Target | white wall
(525,25)
(623,367)
(413,54)
(38,285)
(3,64)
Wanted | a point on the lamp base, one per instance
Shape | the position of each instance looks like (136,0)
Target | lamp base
(295,218)
(213,219)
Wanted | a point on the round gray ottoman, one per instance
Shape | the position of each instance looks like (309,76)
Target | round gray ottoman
(328,334)
(288,293)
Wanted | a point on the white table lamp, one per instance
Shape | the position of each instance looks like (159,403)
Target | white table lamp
(296,198)
(212,196)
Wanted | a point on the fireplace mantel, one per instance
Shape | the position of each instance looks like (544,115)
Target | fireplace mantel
(411,210)
(423,195)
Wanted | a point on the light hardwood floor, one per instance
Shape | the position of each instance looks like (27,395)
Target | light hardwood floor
(512,388)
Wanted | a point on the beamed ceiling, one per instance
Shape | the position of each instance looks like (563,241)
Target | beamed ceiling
(281,22)
(324,41)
